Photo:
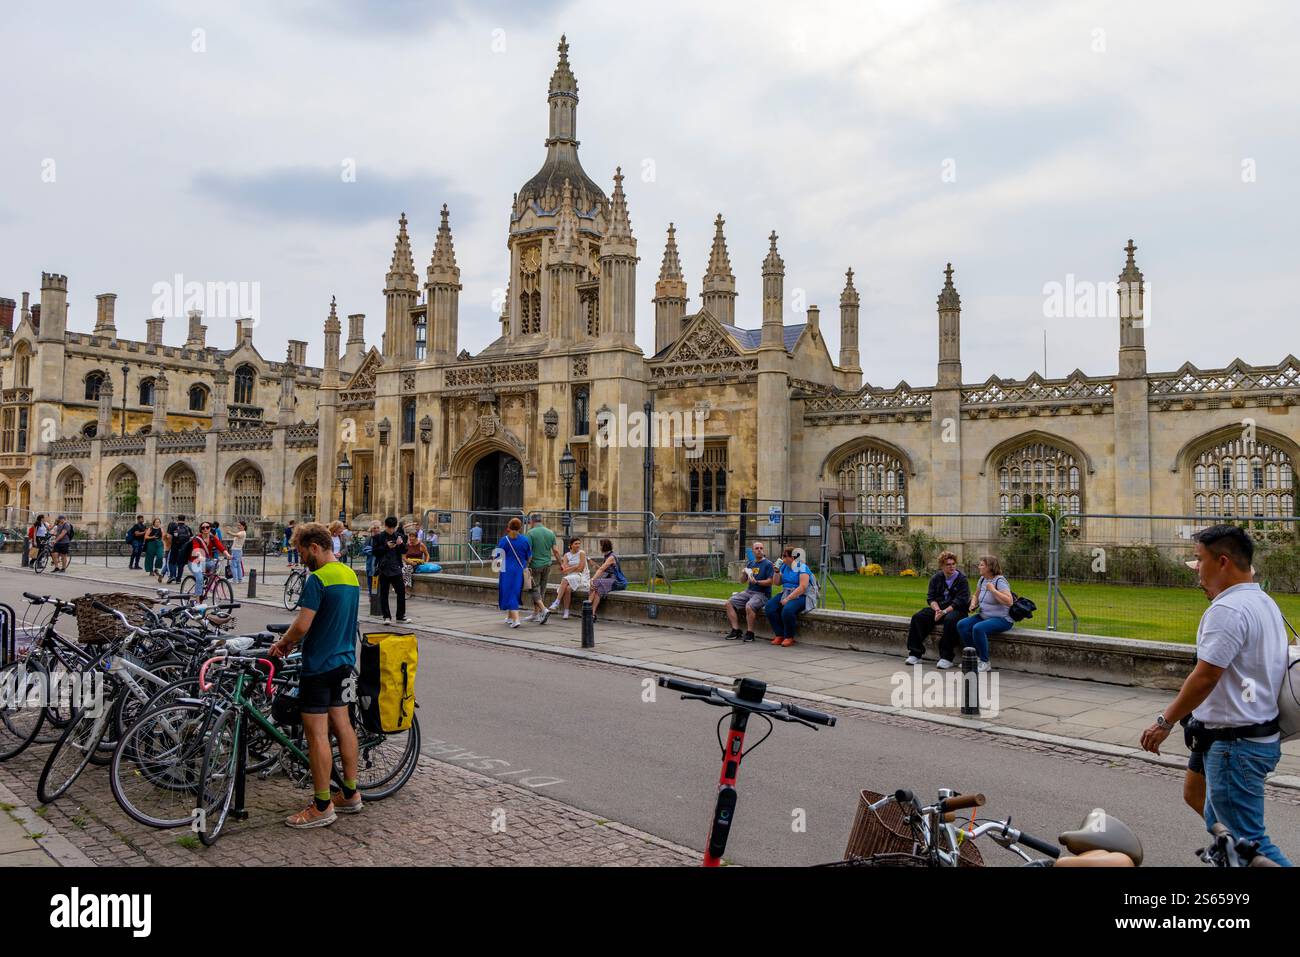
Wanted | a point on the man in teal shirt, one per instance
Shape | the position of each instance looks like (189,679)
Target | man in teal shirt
(542,540)
(326,627)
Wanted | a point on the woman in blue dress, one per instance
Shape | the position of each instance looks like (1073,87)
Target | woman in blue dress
(514,551)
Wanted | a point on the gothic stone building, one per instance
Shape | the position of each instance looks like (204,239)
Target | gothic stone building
(426,424)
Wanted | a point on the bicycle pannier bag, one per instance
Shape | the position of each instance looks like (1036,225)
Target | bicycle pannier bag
(386,687)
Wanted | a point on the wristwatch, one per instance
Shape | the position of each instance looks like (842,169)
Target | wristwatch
(1162,723)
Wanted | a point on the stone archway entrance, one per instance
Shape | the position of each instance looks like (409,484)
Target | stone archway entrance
(496,484)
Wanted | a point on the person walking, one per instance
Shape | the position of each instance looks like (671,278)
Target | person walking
(388,546)
(476,540)
(514,552)
(326,629)
(178,548)
(1230,698)
(946,599)
(575,575)
(153,549)
(541,541)
(783,609)
(290,550)
(135,535)
(990,612)
(61,541)
(368,549)
(237,551)
(759,576)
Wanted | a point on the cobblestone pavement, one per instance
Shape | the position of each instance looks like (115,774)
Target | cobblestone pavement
(443,816)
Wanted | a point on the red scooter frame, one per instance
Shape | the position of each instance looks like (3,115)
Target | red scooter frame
(744,699)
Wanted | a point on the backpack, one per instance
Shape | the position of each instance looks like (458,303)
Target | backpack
(386,686)
(181,537)
(813,594)
(620,580)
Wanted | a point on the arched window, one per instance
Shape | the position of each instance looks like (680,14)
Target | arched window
(408,420)
(245,379)
(22,366)
(94,382)
(247,493)
(146,391)
(74,488)
(874,470)
(581,411)
(1255,476)
(181,487)
(124,492)
(4,495)
(708,479)
(307,494)
(1044,475)
(422,337)
(198,398)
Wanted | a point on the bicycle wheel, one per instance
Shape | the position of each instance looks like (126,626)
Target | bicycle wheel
(385,762)
(24,686)
(221,593)
(155,770)
(293,590)
(217,779)
(58,709)
(73,752)
(41,562)
(187,585)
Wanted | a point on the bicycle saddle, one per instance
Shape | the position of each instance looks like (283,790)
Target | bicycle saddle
(1103,832)
(278,629)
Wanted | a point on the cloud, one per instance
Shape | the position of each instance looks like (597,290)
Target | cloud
(313,194)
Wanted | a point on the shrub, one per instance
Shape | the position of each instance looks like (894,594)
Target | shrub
(907,573)
(872,569)
(921,547)
(878,549)
(1278,569)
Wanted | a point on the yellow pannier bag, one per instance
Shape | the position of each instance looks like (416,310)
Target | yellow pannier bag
(386,687)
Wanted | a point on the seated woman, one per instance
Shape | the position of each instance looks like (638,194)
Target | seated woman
(574,577)
(990,610)
(783,609)
(607,578)
(416,554)
(947,599)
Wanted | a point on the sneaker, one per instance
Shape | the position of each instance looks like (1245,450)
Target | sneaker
(532,617)
(388,621)
(404,621)
(733,634)
(514,624)
(945,664)
(566,614)
(777,640)
(310,817)
(912,660)
(554,606)
(343,806)
(984,666)
(546,614)
(749,636)
(787,643)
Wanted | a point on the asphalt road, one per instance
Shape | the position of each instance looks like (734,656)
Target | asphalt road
(585,734)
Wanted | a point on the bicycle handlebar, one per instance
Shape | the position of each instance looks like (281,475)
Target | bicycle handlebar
(808,714)
(676,684)
(203,671)
(1038,844)
(721,697)
(959,802)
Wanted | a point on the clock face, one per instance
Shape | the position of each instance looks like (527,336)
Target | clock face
(531,260)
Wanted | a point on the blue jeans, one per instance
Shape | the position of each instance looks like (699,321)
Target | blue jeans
(784,618)
(975,631)
(237,565)
(1234,790)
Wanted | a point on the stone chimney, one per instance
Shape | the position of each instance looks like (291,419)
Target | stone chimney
(815,319)
(27,307)
(7,307)
(160,389)
(154,330)
(198,332)
(243,331)
(297,352)
(105,308)
(36,317)
(355,351)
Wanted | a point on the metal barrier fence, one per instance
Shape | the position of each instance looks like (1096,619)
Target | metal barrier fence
(1126,575)
(457,543)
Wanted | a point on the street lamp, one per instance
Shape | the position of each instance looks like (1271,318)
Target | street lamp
(125,369)
(568,468)
(344,476)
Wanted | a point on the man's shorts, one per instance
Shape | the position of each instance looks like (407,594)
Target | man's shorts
(749,599)
(1196,763)
(540,575)
(62,548)
(318,693)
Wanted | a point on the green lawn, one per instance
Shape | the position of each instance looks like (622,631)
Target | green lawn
(1119,611)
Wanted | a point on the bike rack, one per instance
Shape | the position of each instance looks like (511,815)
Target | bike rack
(8,634)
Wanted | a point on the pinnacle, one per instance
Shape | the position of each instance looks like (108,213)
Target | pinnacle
(719,261)
(1131,272)
(672,266)
(402,262)
(562,80)
(444,252)
(850,295)
(620,226)
(773,263)
(948,298)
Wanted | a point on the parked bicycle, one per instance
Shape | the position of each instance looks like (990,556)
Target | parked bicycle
(216,584)
(293,586)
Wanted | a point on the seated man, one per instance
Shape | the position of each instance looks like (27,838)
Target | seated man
(946,602)
(759,574)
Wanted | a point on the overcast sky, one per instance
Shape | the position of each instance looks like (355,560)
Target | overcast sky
(1024,142)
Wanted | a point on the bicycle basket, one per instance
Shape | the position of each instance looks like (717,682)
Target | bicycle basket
(885,833)
(95,626)
(881,860)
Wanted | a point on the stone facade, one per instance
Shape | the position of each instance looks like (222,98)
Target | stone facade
(427,425)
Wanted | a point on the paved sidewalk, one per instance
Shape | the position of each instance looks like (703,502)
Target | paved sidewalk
(1086,714)
(27,839)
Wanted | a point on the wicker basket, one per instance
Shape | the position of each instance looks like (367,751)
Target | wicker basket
(885,832)
(95,626)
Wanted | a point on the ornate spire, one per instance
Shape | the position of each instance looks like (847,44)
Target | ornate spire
(948,298)
(1131,272)
(719,261)
(620,226)
(672,266)
(403,263)
(332,322)
(773,263)
(849,297)
(566,227)
(443,264)
(563,80)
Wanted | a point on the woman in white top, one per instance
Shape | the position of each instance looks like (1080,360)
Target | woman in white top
(237,551)
(573,568)
(336,539)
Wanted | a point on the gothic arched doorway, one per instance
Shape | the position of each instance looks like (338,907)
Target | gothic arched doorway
(496,485)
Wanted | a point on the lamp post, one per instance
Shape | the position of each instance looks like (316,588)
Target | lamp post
(344,476)
(568,467)
(125,369)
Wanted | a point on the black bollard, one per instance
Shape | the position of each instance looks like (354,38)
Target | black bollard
(252,583)
(588,626)
(970,687)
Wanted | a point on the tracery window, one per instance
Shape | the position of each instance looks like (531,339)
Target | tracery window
(875,481)
(1039,476)
(1243,478)
(708,479)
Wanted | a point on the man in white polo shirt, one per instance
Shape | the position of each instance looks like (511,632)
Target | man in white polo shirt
(1241,662)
